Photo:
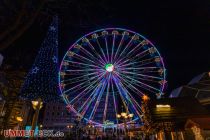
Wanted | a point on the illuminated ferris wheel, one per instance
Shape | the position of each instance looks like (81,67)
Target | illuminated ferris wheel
(109,70)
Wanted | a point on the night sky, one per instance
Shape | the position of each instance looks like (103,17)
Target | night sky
(180,31)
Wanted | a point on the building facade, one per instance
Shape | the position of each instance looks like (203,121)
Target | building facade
(57,117)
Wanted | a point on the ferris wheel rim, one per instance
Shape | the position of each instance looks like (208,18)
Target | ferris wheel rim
(107,29)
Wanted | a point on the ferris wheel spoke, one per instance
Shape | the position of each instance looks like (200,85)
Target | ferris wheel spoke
(79,80)
(142,75)
(83,72)
(93,49)
(107,50)
(125,96)
(129,85)
(148,80)
(98,78)
(141,83)
(126,47)
(147,61)
(113,45)
(107,98)
(147,72)
(98,100)
(78,87)
(85,91)
(125,65)
(121,91)
(93,57)
(142,43)
(91,85)
(119,46)
(125,104)
(82,94)
(134,49)
(115,104)
(129,54)
(86,70)
(80,77)
(146,85)
(78,64)
(132,100)
(88,100)
(102,51)
(84,58)
(134,59)
(139,68)
(96,92)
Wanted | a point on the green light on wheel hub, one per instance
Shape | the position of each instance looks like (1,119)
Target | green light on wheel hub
(109,67)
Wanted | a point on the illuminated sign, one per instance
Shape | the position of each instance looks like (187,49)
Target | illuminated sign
(163,106)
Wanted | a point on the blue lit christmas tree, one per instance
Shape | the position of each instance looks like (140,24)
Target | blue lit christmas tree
(42,79)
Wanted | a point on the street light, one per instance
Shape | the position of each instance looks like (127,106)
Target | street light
(125,116)
(130,115)
(69,129)
(37,105)
(118,116)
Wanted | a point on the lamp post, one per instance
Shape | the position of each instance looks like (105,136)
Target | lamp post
(37,105)
(124,116)
(70,129)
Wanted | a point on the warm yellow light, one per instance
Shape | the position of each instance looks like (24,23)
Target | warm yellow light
(123,114)
(20,119)
(118,116)
(126,117)
(130,115)
(163,106)
(35,104)
(41,126)
(145,98)
(209,74)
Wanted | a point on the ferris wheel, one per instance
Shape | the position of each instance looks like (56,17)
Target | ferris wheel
(109,70)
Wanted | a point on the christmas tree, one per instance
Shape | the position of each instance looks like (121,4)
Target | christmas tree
(42,79)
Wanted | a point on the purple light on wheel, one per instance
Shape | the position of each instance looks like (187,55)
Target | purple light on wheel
(109,70)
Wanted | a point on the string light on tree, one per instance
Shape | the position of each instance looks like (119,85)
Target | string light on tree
(42,79)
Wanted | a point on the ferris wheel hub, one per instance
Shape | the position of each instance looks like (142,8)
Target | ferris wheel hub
(109,67)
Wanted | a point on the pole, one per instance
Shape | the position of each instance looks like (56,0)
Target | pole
(125,125)
(35,118)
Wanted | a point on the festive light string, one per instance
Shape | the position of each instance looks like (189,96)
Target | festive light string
(41,81)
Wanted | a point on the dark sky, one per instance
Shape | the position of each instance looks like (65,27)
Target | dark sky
(180,30)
